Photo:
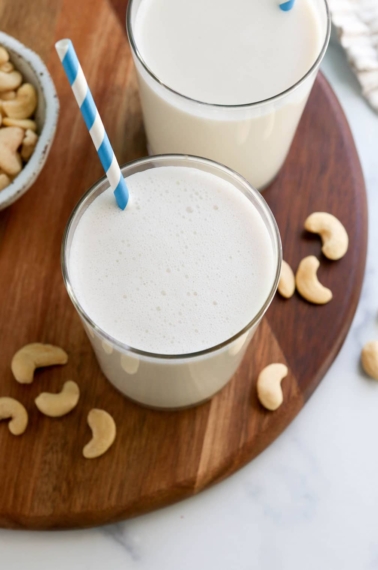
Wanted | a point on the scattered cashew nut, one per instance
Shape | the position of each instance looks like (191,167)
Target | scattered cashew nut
(129,364)
(238,344)
(269,389)
(10,140)
(11,408)
(26,124)
(10,80)
(28,144)
(107,347)
(24,105)
(331,230)
(286,284)
(33,356)
(57,405)
(369,358)
(308,284)
(103,433)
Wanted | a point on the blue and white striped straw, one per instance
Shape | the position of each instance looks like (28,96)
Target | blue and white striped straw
(287,5)
(93,121)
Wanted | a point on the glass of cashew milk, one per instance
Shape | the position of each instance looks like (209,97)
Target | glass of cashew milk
(226,80)
(171,290)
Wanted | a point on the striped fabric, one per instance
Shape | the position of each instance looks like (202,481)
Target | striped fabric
(92,120)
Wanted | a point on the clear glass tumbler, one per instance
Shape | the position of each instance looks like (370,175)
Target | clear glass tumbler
(253,139)
(162,380)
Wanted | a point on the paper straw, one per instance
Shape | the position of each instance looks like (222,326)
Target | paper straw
(286,6)
(93,121)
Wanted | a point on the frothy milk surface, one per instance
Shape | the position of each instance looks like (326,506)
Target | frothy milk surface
(228,52)
(186,266)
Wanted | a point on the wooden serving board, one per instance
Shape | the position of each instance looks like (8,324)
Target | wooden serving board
(158,457)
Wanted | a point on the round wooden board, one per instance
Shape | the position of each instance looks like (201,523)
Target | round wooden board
(158,457)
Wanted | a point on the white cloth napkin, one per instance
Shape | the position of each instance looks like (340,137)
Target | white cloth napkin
(356,22)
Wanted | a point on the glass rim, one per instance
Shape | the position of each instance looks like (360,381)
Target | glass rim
(315,65)
(82,203)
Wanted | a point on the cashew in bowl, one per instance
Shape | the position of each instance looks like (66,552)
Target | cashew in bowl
(286,284)
(57,405)
(28,145)
(4,55)
(24,105)
(308,284)
(369,358)
(331,230)
(8,96)
(10,80)
(7,67)
(33,356)
(103,433)
(4,180)
(18,105)
(10,140)
(26,124)
(269,389)
(11,408)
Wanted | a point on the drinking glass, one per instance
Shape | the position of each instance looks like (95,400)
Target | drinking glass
(171,381)
(253,139)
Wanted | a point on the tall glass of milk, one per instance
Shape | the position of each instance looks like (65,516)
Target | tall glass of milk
(226,80)
(171,290)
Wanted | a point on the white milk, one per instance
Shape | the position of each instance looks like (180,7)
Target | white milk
(226,53)
(184,268)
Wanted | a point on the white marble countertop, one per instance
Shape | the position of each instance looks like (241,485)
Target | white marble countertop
(309,502)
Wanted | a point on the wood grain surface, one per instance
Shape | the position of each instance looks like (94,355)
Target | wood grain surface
(158,457)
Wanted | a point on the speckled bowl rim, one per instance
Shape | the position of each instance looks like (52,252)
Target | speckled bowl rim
(30,172)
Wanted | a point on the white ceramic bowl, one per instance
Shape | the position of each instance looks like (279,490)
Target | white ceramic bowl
(34,71)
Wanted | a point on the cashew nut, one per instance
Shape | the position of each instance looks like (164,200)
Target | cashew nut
(107,347)
(11,408)
(286,284)
(331,230)
(28,145)
(269,389)
(4,181)
(26,124)
(129,364)
(369,358)
(10,80)
(24,105)
(10,140)
(60,404)
(33,356)
(8,95)
(238,344)
(307,282)
(4,55)
(103,433)
(7,67)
